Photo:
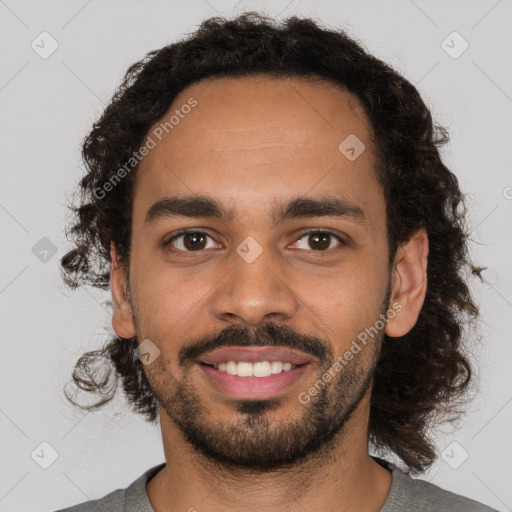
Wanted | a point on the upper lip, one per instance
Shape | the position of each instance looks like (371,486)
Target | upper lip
(254,354)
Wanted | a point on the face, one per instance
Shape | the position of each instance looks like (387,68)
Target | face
(283,264)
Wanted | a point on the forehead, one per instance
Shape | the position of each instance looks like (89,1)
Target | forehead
(271,111)
(259,137)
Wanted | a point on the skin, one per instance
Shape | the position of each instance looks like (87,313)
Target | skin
(249,142)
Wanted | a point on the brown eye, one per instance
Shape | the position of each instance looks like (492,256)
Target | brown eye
(318,240)
(189,241)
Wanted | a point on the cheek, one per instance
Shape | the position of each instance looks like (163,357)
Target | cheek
(348,300)
(166,300)
(169,305)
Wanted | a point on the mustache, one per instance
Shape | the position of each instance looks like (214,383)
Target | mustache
(269,334)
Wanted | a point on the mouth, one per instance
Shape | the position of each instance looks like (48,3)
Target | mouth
(253,373)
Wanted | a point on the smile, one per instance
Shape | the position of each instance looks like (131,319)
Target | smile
(253,373)
(257,369)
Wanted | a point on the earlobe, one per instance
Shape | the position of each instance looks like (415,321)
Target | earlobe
(409,283)
(122,318)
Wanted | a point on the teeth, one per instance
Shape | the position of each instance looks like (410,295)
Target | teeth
(231,368)
(244,369)
(261,369)
(258,369)
(276,366)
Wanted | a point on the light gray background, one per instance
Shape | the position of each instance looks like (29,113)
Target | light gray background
(48,105)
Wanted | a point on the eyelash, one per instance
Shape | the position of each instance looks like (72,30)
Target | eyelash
(311,232)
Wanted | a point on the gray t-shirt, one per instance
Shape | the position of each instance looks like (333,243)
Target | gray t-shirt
(405,495)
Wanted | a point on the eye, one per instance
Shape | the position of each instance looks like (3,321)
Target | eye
(318,240)
(190,241)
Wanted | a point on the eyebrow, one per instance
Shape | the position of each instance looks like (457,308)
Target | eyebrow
(299,207)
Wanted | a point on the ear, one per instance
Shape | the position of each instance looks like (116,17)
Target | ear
(408,283)
(122,319)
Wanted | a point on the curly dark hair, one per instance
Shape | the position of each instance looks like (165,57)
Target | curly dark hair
(419,380)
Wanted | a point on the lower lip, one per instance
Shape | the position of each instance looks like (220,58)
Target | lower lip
(253,388)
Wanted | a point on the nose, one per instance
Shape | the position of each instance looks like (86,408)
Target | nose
(254,291)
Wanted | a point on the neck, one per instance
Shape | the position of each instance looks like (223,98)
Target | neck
(341,477)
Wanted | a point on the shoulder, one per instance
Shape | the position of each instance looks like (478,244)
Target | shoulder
(443,500)
(112,502)
(409,493)
(134,497)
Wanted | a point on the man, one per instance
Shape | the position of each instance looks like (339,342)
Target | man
(285,251)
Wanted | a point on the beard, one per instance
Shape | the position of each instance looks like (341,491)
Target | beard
(252,438)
